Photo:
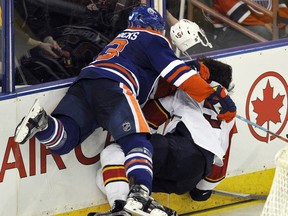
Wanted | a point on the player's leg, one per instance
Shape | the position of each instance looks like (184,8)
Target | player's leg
(138,165)
(50,131)
(129,128)
(170,168)
(65,128)
(112,180)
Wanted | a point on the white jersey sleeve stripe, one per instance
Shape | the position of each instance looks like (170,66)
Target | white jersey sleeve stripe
(184,77)
(170,67)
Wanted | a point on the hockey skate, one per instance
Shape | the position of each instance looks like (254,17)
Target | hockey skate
(140,203)
(117,210)
(35,121)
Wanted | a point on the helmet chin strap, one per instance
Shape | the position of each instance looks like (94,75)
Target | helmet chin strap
(207,44)
(187,54)
(204,40)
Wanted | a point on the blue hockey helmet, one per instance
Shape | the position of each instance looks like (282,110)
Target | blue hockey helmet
(143,16)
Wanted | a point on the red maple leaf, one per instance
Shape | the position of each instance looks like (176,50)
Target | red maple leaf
(268,108)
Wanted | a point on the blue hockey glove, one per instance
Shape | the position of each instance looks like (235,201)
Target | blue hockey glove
(228,107)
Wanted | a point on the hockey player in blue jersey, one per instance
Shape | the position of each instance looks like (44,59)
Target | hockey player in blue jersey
(108,94)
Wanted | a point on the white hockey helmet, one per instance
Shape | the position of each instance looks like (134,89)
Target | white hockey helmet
(185,34)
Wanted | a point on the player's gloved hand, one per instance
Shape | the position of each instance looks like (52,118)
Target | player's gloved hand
(200,195)
(228,107)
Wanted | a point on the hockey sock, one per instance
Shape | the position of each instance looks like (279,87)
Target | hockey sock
(61,136)
(138,158)
(53,135)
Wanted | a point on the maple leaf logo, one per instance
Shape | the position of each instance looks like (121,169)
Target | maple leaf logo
(268,108)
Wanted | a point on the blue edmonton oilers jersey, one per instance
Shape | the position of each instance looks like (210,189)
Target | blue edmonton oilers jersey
(137,57)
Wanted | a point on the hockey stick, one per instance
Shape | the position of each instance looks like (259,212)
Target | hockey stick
(262,128)
(247,197)
(240,195)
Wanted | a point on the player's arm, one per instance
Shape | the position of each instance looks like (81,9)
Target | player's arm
(163,89)
(196,87)
(155,113)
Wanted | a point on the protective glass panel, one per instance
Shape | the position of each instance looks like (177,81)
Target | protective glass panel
(230,24)
(1,72)
(54,39)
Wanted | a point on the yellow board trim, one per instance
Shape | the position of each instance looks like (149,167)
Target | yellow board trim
(258,183)
(229,208)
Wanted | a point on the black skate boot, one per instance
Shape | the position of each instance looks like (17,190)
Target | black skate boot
(117,210)
(35,121)
(140,203)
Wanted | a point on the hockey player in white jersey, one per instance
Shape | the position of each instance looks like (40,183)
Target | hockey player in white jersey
(185,155)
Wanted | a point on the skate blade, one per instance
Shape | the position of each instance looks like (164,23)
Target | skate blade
(158,212)
(134,207)
(22,131)
(120,213)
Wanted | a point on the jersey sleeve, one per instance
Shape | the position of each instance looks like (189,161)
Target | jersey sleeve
(197,88)
(234,9)
(155,113)
(164,89)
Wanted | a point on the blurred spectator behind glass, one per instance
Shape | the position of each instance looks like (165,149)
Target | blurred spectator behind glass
(32,28)
(250,18)
(81,28)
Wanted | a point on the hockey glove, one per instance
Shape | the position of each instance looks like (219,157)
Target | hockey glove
(228,107)
(200,195)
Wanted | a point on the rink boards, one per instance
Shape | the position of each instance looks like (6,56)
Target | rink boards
(35,182)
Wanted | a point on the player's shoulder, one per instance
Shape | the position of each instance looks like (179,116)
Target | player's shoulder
(143,32)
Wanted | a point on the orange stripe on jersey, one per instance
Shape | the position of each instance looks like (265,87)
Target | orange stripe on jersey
(119,68)
(114,173)
(142,124)
(177,72)
(196,87)
(138,161)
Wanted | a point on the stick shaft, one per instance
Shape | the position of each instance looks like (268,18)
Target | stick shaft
(261,128)
(239,195)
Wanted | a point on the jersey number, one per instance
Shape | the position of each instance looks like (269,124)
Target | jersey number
(214,123)
(113,49)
